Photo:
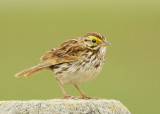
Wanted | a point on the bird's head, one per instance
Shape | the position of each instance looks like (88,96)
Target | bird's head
(94,41)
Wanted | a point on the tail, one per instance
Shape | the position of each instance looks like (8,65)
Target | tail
(29,72)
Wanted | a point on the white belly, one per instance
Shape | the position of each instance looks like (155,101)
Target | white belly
(76,74)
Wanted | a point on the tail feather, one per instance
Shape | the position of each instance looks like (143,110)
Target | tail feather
(33,72)
(29,72)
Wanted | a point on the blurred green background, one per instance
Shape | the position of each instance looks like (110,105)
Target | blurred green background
(132,71)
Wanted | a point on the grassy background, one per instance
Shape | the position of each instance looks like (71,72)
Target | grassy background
(132,70)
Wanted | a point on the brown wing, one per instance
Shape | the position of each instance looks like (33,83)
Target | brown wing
(69,51)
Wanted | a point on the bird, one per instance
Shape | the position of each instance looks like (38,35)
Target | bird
(75,61)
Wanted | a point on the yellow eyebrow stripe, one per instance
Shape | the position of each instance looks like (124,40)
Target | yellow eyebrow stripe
(94,38)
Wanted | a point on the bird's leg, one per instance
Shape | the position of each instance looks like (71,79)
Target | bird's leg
(64,92)
(82,93)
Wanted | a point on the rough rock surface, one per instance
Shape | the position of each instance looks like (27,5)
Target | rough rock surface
(63,106)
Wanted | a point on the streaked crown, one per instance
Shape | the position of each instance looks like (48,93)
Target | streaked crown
(94,34)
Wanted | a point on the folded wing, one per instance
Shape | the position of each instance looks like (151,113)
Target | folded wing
(69,51)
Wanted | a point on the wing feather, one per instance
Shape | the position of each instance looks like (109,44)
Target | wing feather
(69,51)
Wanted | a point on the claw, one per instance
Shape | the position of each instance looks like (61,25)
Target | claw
(69,97)
(66,97)
(85,97)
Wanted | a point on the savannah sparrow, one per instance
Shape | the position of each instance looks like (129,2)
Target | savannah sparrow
(73,62)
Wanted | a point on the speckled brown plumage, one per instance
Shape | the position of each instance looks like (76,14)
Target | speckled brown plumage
(74,61)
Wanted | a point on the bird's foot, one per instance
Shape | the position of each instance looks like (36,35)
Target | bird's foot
(82,97)
(68,97)
(87,98)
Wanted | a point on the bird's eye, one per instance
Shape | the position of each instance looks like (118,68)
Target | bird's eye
(94,41)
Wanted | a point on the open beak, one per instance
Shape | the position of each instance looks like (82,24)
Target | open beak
(105,43)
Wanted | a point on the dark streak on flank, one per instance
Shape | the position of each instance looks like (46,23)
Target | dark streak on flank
(62,70)
(97,65)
